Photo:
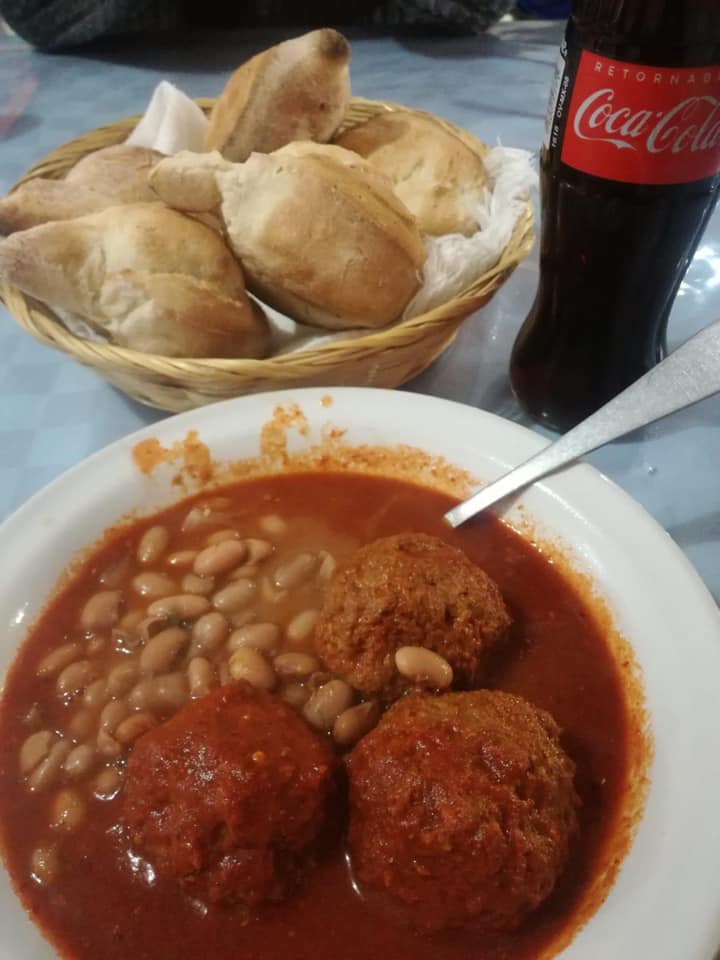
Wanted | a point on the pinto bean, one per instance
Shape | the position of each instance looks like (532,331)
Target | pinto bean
(114,575)
(258,550)
(295,572)
(45,864)
(154,585)
(327,703)
(293,666)
(35,748)
(201,677)
(130,620)
(48,770)
(235,596)
(301,626)
(132,630)
(220,558)
(33,717)
(107,783)
(75,677)
(208,633)
(122,677)
(108,746)
(58,659)
(96,694)
(318,679)
(81,725)
(162,651)
(95,645)
(183,606)
(182,558)
(327,567)
(424,667)
(268,592)
(80,760)
(112,714)
(242,618)
(153,544)
(259,636)
(273,525)
(160,694)
(248,571)
(68,811)
(205,515)
(192,583)
(296,694)
(355,722)
(134,726)
(102,610)
(249,664)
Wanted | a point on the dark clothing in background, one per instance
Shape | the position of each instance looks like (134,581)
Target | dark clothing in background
(54,24)
(545,9)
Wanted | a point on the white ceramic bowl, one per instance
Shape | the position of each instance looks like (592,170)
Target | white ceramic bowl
(665,903)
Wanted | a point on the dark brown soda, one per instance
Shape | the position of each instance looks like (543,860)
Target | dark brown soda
(612,254)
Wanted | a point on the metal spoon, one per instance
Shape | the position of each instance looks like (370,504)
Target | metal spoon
(690,374)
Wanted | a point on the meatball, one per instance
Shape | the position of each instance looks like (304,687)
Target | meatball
(228,796)
(408,590)
(462,807)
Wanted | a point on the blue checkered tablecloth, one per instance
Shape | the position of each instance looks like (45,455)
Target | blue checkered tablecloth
(53,413)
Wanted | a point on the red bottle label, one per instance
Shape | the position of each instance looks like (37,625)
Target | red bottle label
(642,124)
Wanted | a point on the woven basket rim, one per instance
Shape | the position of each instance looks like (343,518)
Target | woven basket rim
(41,322)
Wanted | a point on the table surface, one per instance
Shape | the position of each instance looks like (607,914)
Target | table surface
(53,412)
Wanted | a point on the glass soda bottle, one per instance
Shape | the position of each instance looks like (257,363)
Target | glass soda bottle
(629,178)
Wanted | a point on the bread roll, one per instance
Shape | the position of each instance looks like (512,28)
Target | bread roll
(120,172)
(188,181)
(319,232)
(297,90)
(102,179)
(42,201)
(147,276)
(436,175)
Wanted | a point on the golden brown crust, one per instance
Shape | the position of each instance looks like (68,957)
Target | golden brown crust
(102,179)
(224,132)
(42,201)
(178,316)
(149,277)
(120,172)
(187,181)
(320,233)
(323,240)
(297,90)
(434,173)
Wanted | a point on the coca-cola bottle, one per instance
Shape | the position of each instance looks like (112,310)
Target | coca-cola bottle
(629,177)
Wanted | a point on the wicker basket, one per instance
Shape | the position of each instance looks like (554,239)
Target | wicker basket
(384,358)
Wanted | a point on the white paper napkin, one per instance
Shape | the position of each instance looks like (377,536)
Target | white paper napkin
(171,122)
(454,260)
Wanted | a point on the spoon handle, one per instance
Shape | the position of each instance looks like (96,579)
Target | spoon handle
(689,374)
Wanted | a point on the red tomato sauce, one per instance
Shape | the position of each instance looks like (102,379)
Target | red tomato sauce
(558,657)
